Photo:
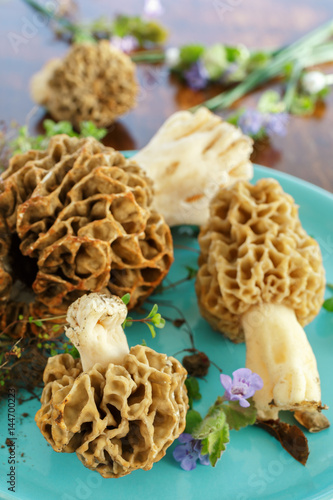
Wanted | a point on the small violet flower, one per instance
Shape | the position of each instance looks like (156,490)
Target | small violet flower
(153,9)
(253,121)
(196,76)
(276,123)
(189,452)
(243,386)
(126,44)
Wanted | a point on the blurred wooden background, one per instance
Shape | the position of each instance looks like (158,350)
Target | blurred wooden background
(305,152)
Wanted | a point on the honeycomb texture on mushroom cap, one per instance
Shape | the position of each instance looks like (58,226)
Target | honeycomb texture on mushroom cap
(82,212)
(255,250)
(117,419)
(93,82)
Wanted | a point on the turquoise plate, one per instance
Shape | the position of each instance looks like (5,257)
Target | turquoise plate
(254,465)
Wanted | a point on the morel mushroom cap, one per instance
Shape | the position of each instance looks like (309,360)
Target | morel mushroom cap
(261,275)
(82,213)
(93,82)
(117,417)
(190,157)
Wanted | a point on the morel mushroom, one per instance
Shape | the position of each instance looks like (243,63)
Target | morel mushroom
(93,82)
(80,214)
(189,158)
(124,408)
(261,277)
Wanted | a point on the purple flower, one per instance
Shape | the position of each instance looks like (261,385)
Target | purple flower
(276,123)
(153,9)
(243,386)
(196,76)
(126,44)
(189,452)
(251,121)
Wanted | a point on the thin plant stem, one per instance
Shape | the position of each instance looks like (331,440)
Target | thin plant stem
(292,85)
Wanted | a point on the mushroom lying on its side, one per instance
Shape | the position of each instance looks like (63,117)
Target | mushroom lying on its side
(118,409)
(189,158)
(261,277)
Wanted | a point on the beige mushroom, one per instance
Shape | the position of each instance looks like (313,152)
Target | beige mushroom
(261,278)
(124,408)
(189,158)
(93,82)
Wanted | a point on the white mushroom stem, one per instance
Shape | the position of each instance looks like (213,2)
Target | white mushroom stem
(278,350)
(95,328)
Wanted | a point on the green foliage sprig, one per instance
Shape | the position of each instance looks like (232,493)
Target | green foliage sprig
(152,320)
(18,140)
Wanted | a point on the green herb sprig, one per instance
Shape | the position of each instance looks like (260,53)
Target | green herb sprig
(152,320)
(18,140)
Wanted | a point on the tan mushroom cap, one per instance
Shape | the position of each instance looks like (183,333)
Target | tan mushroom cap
(254,250)
(83,213)
(93,82)
(117,419)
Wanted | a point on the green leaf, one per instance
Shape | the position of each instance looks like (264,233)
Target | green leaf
(83,36)
(214,444)
(144,343)
(258,60)
(126,298)
(270,102)
(190,54)
(74,353)
(213,431)
(153,311)
(237,416)
(238,54)
(214,421)
(37,322)
(193,419)
(63,127)
(128,322)
(55,328)
(152,330)
(143,30)
(328,304)
(89,129)
(191,272)
(303,104)
(156,320)
(193,391)
(21,317)
(215,60)
(161,323)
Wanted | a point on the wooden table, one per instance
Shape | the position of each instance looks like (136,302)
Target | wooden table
(305,152)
